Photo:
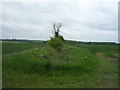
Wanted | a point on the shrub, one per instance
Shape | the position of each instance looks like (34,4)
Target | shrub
(56,43)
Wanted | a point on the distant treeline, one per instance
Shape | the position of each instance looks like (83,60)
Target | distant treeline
(94,43)
(24,40)
(66,41)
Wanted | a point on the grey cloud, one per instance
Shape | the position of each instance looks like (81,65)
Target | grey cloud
(74,17)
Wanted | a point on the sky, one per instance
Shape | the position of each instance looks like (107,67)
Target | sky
(82,20)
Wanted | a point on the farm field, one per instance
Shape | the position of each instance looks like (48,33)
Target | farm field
(76,66)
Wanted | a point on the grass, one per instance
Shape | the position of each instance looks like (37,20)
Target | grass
(68,69)
(32,62)
(13,47)
(98,48)
(111,54)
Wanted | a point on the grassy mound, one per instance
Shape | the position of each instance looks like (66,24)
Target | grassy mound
(25,68)
(45,61)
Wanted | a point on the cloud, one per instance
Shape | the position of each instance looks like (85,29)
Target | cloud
(27,30)
(89,20)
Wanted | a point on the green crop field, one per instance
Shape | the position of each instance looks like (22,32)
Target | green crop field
(36,65)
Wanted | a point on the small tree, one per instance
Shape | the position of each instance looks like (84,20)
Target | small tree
(57,41)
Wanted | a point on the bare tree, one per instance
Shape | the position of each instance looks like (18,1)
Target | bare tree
(56,28)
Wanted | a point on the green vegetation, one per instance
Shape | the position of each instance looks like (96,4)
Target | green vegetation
(13,47)
(56,42)
(98,48)
(77,66)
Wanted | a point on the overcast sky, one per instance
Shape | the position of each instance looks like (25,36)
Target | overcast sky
(83,20)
